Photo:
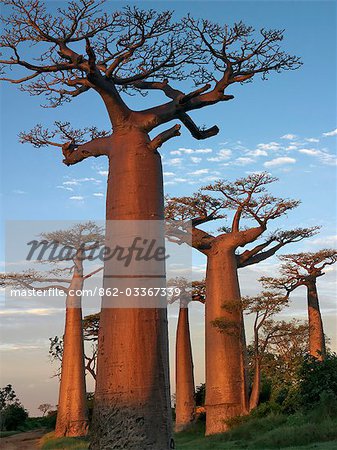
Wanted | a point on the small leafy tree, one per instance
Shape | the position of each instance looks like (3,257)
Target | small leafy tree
(12,413)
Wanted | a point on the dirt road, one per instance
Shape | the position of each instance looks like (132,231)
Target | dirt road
(22,441)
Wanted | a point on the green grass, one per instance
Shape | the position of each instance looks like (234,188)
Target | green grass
(296,432)
(49,442)
(272,432)
(4,434)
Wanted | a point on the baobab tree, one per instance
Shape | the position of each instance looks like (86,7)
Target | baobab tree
(185,388)
(79,241)
(303,269)
(90,335)
(226,380)
(82,48)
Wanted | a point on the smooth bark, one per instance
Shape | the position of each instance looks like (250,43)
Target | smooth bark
(226,388)
(256,386)
(132,397)
(316,333)
(72,417)
(185,401)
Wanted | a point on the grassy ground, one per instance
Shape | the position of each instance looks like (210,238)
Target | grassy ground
(272,432)
(48,442)
(7,433)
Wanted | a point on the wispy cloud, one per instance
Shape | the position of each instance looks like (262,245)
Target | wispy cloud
(103,173)
(279,161)
(66,188)
(289,136)
(168,174)
(330,133)
(78,198)
(19,192)
(243,161)
(199,172)
(222,155)
(173,161)
(324,156)
(98,194)
(195,159)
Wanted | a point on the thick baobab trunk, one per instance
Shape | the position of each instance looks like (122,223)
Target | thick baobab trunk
(72,418)
(132,397)
(316,333)
(226,390)
(256,386)
(185,401)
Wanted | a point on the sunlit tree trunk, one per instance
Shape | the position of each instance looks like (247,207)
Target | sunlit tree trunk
(132,397)
(185,401)
(72,418)
(316,333)
(256,385)
(226,390)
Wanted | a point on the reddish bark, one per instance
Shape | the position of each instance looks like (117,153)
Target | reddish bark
(226,393)
(185,401)
(132,397)
(72,418)
(254,397)
(316,333)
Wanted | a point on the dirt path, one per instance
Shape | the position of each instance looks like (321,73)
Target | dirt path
(22,441)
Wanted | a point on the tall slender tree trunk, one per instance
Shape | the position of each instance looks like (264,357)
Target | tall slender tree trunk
(256,386)
(72,417)
(185,401)
(316,333)
(132,398)
(226,389)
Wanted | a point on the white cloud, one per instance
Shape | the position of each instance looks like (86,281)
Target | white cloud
(103,173)
(78,198)
(242,161)
(180,180)
(292,147)
(195,159)
(289,136)
(310,151)
(222,155)
(65,188)
(312,140)
(257,152)
(30,311)
(199,172)
(70,183)
(279,161)
(175,152)
(330,133)
(98,194)
(174,162)
(269,146)
(168,174)
(19,192)
(204,150)
(325,157)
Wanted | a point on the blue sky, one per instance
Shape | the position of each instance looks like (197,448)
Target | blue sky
(286,125)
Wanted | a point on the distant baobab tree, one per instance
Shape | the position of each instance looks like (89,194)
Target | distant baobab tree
(81,239)
(185,410)
(248,198)
(303,269)
(82,48)
(90,335)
